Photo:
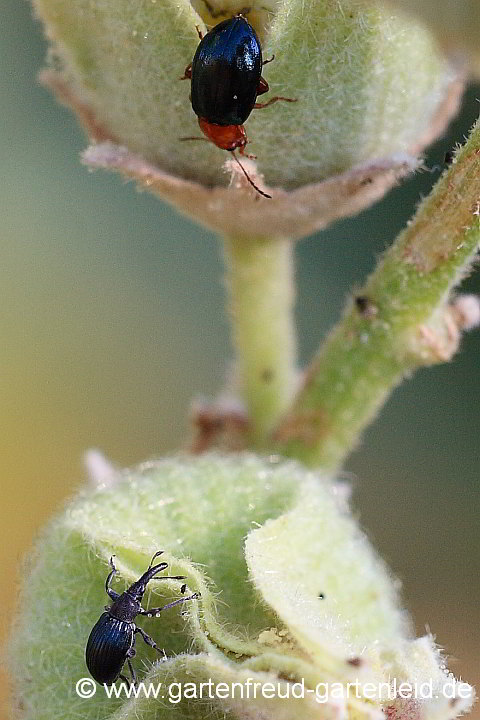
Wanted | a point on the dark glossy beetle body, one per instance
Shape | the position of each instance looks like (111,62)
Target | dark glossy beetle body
(112,640)
(226,72)
(108,647)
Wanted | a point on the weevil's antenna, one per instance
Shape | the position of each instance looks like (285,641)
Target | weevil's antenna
(260,192)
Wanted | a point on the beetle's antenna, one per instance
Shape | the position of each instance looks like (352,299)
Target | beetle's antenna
(194,137)
(260,192)
(160,552)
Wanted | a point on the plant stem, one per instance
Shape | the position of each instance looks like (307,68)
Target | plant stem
(399,321)
(259,278)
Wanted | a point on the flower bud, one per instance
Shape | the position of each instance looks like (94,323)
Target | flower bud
(292,597)
(372,90)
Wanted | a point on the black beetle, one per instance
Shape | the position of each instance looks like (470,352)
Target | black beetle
(112,640)
(226,74)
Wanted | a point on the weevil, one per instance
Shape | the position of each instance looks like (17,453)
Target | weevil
(111,643)
(226,75)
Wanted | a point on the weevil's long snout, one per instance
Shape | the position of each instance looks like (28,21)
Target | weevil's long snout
(138,588)
(151,572)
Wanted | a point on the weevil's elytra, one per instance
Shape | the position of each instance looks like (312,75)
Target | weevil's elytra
(111,643)
(226,74)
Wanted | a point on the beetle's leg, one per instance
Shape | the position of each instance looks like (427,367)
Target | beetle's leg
(247,155)
(265,62)
(132,672)
(262,87)
(259,106)
(111,593)
(155,612)
(133,679)
(187,75)
(200,33)
(147,639)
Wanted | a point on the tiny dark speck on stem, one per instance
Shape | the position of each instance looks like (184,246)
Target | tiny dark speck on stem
(449,156)
(267,375)
(365,306)
(361,301)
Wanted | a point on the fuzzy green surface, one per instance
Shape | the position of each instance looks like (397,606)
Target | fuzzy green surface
(455,22)
(258,616)
(350,69)
(313,592)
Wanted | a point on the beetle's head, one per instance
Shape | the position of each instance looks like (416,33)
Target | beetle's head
(226,137)
(137,589)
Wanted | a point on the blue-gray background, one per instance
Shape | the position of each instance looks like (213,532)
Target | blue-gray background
(111,320)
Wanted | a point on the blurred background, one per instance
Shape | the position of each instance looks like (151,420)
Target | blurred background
(112,320)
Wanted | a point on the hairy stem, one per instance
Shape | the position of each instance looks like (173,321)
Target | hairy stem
(399,321)
(259,278)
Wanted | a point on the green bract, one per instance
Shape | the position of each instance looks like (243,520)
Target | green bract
(372,89)
(368,85)
(291,593)
(455,22)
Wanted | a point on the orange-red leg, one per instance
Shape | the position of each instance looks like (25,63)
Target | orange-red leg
(242,152)
(265,62)
(259,106)
(263,86)
(188,73)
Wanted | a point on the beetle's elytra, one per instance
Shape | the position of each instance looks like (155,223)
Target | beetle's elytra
(226,74)
(111,643)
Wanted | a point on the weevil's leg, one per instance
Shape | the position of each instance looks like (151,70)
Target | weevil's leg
(111,593)
(259,106)
(200,33)
(132,672)
(154,612)
(265,62)
(188,73)
(126,680)
(148,639)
